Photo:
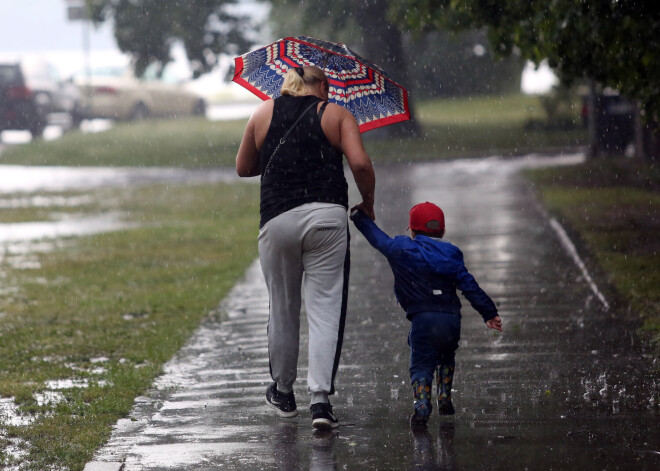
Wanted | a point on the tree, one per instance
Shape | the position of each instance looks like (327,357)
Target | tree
(612,42)
(147,29)
(447,64)
(366,28)
(437,63)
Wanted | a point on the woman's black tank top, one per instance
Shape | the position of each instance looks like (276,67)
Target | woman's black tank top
(306,168)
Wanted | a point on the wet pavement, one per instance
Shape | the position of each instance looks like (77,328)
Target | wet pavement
(564,387)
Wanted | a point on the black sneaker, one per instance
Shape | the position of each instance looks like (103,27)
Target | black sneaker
(284,404)
(322,418)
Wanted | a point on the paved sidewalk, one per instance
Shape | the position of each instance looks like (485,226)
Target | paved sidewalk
(561,388)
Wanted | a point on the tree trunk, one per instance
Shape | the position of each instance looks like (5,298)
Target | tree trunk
(383,45)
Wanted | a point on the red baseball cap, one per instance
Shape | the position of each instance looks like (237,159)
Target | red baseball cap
(427,217)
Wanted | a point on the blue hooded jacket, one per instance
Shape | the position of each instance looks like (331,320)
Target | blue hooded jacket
(427,272)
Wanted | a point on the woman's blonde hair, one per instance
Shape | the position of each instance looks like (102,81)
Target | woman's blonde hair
(295,83)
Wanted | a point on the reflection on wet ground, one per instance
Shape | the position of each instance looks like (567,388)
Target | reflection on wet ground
(65,226)
(43,201)
(564,387)
(33,186)
(24,179)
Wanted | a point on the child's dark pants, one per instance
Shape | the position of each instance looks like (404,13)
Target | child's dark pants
(433,340)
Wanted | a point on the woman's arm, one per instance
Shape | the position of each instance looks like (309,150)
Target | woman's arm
(341,129)
(247,158)
(359,163)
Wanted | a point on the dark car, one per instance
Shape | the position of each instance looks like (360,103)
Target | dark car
(32,95)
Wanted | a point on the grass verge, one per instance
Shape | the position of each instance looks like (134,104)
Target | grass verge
(474,127)
(613,206)
(465,127)
(124,301)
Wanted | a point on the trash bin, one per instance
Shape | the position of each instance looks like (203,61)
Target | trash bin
(615,123)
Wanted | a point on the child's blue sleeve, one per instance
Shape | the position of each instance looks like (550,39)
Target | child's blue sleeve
(477,297)
(374,235)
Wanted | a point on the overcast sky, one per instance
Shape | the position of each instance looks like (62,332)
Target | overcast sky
(42,25)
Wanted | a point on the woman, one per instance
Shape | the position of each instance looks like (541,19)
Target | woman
(304,229)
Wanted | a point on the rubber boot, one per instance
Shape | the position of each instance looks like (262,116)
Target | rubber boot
(423,407)
(444,378)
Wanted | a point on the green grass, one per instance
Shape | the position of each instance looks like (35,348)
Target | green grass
(190,142)
(613,207)
(132,296)
(480,110)
(471,127)
(464,127)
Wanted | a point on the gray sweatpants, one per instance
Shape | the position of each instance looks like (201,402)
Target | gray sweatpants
(307,246)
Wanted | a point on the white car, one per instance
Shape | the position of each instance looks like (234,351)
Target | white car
(114,92)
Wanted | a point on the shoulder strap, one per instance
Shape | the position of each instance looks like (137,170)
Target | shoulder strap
(295,123)
(283,138)
(325,103)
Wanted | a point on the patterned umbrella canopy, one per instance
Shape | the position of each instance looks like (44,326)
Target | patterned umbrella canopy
(363,88)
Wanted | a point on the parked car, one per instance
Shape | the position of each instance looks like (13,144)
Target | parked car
(115,92)
(32,93)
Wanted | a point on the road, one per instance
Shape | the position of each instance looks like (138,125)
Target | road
(565,386)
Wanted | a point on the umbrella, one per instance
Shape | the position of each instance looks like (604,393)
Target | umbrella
(358,85)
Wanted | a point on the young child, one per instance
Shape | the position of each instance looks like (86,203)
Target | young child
(427,272)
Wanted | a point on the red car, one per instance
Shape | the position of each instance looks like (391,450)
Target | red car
(31,93)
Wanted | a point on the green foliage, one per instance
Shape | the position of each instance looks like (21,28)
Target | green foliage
(614,43)
(432,64)
(147,29)
(447,64)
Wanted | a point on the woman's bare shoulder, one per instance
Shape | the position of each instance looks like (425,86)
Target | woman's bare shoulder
(338,112)
(264,108)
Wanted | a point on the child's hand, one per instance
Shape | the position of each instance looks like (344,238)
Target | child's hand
(369,211)
(495,323)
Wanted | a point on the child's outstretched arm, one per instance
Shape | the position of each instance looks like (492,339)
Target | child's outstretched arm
(374,234)
(478,298)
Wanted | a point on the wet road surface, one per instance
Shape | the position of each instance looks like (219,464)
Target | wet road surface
(562,388)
